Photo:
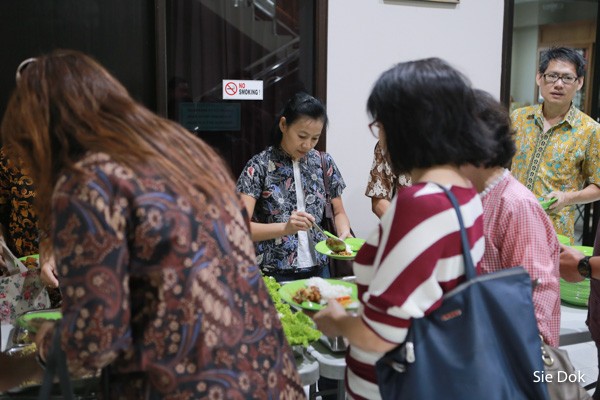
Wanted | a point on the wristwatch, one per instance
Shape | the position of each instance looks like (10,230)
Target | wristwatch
(584,267)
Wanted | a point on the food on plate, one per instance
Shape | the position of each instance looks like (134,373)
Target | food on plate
(298,328)
(310,293)
(318,290)
(336,245)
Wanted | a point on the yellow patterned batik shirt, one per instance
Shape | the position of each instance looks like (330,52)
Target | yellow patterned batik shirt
(565,158)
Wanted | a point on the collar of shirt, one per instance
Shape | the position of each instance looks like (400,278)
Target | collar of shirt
(570,118)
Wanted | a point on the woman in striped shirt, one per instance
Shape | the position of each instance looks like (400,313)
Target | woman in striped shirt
(423,113)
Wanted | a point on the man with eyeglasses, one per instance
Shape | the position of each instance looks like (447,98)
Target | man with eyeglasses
(558,146)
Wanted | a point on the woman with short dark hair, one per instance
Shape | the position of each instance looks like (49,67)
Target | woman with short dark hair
(423,114)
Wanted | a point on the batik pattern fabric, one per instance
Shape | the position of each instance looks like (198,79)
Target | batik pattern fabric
(564,158)
(383,183)
(17,214)
(19,291)
(269,178)
(164,288)
(406,265)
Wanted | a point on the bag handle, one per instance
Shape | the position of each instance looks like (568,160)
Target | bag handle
(466,248)
(56,364)
(328,206)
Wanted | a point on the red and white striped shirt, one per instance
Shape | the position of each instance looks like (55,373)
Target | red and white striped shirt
(406,266)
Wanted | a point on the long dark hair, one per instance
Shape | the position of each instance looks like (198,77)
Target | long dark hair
(66,104)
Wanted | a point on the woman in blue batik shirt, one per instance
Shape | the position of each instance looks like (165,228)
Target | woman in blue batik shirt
(283,190)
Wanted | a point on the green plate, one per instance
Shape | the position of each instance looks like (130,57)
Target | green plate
(546,203)
(564,239)
(36,256)
(586,250)
(288,290)
(31,320)
(355,245)
(575,293)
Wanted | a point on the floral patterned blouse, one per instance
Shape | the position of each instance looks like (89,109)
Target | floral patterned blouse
(383,183)
(17,215)
(165,289)
(565,158)
(269,178)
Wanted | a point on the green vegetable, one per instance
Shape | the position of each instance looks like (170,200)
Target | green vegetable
(297,326)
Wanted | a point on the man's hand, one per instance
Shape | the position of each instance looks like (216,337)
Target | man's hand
(569,258)
(562,200)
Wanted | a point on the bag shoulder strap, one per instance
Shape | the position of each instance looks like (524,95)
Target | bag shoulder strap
(325,177)
(466,248)
(56,365)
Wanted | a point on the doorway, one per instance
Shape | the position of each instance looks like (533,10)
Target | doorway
(279,44)
(533,25)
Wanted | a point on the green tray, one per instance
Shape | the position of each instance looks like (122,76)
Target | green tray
(31,320)
(575,293)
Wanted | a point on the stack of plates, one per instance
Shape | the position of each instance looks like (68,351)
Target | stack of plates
(577,293)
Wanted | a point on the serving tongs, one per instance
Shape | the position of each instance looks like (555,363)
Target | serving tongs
(333,242)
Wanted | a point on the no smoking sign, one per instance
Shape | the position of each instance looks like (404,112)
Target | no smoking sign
(242,90)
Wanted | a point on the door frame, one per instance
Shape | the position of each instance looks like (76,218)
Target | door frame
(591,211)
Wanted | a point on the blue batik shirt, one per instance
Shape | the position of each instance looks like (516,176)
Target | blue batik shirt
(269,178)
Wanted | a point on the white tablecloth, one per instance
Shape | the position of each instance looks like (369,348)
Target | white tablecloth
(572,325)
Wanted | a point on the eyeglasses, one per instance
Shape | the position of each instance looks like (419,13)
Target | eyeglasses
(22,67)
(552,78)
(375,127)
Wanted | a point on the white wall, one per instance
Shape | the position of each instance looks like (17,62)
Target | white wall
(366,37)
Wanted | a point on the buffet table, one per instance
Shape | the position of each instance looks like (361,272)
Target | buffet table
(319,360)
(573,329)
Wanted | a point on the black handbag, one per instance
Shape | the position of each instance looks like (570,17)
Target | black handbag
(337,268)
(481,343)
